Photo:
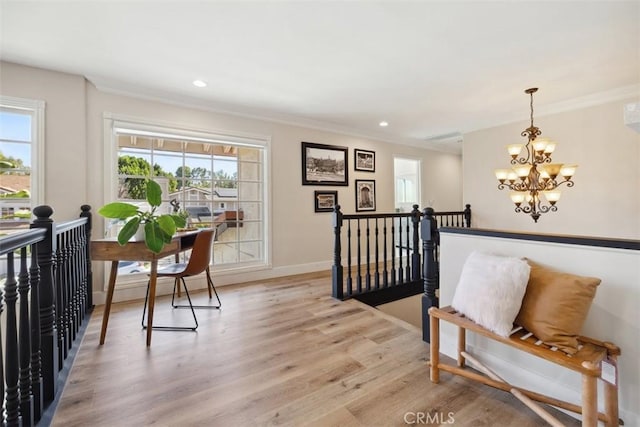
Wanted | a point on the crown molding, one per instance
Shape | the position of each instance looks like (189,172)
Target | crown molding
(142,93)
(618,94)
(586,101)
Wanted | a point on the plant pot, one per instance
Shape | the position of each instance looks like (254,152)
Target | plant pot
(139,236)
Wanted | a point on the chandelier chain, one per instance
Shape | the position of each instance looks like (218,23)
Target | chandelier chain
(531,105)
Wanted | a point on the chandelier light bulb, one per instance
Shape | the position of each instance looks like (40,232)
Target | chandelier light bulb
(522,171)
(514,149)
(502,174)
(540,144)
(517,198)
(567,171)
(553,169)
(552,196)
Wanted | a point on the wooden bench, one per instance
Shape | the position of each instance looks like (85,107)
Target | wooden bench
(587,361)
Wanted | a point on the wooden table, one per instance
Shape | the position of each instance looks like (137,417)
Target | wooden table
(109,250)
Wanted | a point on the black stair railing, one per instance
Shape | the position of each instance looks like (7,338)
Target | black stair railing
(50,292)
(384,252)
(381,252)
(385,258)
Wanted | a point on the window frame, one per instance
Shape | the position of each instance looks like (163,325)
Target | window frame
(36,109)
(115,124)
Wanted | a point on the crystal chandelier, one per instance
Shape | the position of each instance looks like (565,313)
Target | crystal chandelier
(532,174)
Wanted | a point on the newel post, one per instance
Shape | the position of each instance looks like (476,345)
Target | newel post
(429,231)
(48,332)
(415,256)
(467,215)
(336,270)
(86,213)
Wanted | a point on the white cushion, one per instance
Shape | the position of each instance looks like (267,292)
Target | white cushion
(491,289)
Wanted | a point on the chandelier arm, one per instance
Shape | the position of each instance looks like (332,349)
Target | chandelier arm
(568,183)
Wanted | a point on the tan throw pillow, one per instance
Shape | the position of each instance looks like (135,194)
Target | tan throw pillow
(555,306)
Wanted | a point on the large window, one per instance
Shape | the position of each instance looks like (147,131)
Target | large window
(20,167)
(218,181)
(21,170)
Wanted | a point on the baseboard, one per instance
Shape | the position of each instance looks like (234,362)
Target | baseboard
(134,290)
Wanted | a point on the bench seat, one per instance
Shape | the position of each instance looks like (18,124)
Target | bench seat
(587,361)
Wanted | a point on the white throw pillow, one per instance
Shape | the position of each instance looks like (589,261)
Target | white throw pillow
(491,289)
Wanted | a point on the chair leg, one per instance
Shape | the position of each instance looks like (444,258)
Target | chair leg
(144,309)
(210,287)
(210,284)
(170,328)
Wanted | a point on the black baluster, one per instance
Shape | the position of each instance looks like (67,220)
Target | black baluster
(359,276)
(36,362)
(385,278)
(48,330)
(349,272)
(336,270)
(407,274)
(393,251)
(377,277)
(2,395)
(368,276)
(400,267)
(12,363)
(73,286)
(75,270)
(61,312)
(24,343)
(415,257)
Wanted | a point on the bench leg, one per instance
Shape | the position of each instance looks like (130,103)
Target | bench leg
(434,347)
(462,345)
(589,401)
(611,398)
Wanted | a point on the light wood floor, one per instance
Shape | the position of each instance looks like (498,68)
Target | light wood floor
(281,352)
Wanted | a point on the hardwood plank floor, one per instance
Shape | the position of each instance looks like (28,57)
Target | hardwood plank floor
(280,352)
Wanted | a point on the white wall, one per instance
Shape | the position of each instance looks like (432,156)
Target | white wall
(605,200)
(65,141)
(613,315)
(301,238)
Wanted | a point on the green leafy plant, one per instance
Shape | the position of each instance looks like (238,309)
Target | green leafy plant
(158,229)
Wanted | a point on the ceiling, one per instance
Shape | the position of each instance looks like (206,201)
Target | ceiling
(432,70)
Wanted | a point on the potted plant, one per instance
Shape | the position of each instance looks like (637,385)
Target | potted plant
(158,229)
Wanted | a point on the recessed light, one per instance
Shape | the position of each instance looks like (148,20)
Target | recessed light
(383,124)
(200,83)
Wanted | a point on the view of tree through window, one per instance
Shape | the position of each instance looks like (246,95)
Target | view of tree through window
(16,138)
(18,165)
(214,184)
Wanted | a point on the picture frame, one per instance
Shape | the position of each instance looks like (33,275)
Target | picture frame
(364,160)
(324,164)
(325,201)
(365,195)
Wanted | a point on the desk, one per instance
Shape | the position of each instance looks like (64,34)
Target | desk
(110,250)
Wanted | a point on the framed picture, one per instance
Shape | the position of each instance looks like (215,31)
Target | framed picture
(365,195)
(325,200)
(365,160)
(324,164)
